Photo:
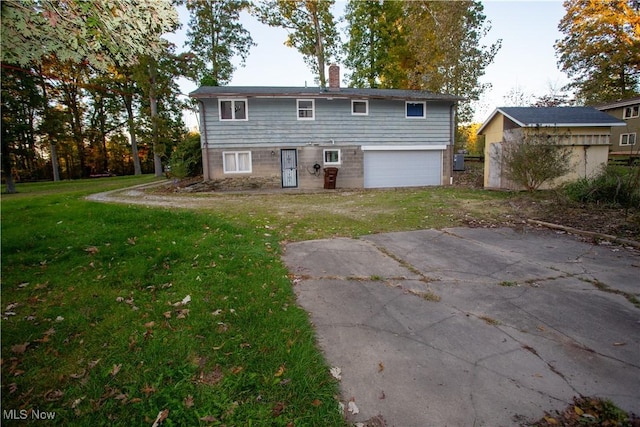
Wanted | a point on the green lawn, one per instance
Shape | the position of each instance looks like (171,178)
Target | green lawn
(113,314)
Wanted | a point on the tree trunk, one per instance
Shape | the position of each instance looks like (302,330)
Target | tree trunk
(11,185)
(54,162)
(137,170)
(153,102)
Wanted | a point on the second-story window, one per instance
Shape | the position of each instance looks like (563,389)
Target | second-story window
(306,109)
(359,108)
(233,109)
(631,112)
(415,110)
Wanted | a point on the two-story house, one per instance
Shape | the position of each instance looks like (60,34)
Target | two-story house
(623,139)
(285,137)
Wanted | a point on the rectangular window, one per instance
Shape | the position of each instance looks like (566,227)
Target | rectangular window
(415,110)
(628,139)
(631,112)
(359,108)
(332,157)
(236,161)
(306,109)
(233,109)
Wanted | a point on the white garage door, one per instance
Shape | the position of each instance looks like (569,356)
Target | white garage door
(406,168)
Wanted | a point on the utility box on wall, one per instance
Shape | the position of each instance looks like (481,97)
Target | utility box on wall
(458,162)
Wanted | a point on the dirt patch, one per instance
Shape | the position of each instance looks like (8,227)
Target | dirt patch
(546,206)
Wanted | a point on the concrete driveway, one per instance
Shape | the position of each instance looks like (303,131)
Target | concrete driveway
(472,327)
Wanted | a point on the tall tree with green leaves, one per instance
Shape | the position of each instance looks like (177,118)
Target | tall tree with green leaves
(376,44)
(445,40)
(312,30)
(600,49)
(98,32)
(216,36)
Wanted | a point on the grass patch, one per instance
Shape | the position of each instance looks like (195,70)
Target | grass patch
(98,329)
(354,213)
(507,283)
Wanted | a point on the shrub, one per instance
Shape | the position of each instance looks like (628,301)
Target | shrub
(614,185)
(535,157)
(186,159)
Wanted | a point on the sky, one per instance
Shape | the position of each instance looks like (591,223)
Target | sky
(526,61)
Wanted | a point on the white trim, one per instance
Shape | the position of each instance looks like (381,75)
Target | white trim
(424,110)
(634,112)
(628,135)
(236,153)
(233,101)
(324,154)
(313,109)
(366,103)
(403,147)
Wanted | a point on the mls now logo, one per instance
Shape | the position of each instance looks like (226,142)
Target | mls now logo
(24,414)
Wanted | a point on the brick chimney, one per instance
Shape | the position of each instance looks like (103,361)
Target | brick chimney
(334,77)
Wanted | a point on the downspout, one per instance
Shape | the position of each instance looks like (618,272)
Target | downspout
(204,143)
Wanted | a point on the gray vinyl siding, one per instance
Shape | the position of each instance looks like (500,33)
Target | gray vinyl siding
(273,121)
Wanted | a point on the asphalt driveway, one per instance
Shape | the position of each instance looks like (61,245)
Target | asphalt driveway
(472,327)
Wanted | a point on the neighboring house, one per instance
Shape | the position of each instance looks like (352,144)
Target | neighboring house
(624,139)
(282,137)
(586,130)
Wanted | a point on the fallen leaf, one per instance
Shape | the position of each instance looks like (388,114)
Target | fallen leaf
(618,344)
(59,319)
(217,312)
(316,402)
(551,420)
(149,325)
(188,401)
(336,372)
(280,371)
(53,395)
(12,306)
(115,370)
(132,240)
(19,348)
(167,314)
(209,419)
(92,250)
(182,314)
(380,367)
(93,363)
(245,345)
(277,410)
(79,374)
(578,410)
(13,387)
(237,369)
(162,415)
(351,407)
(77,402)
(148,389)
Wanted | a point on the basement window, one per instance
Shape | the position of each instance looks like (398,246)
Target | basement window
(332,157)
(236,161)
